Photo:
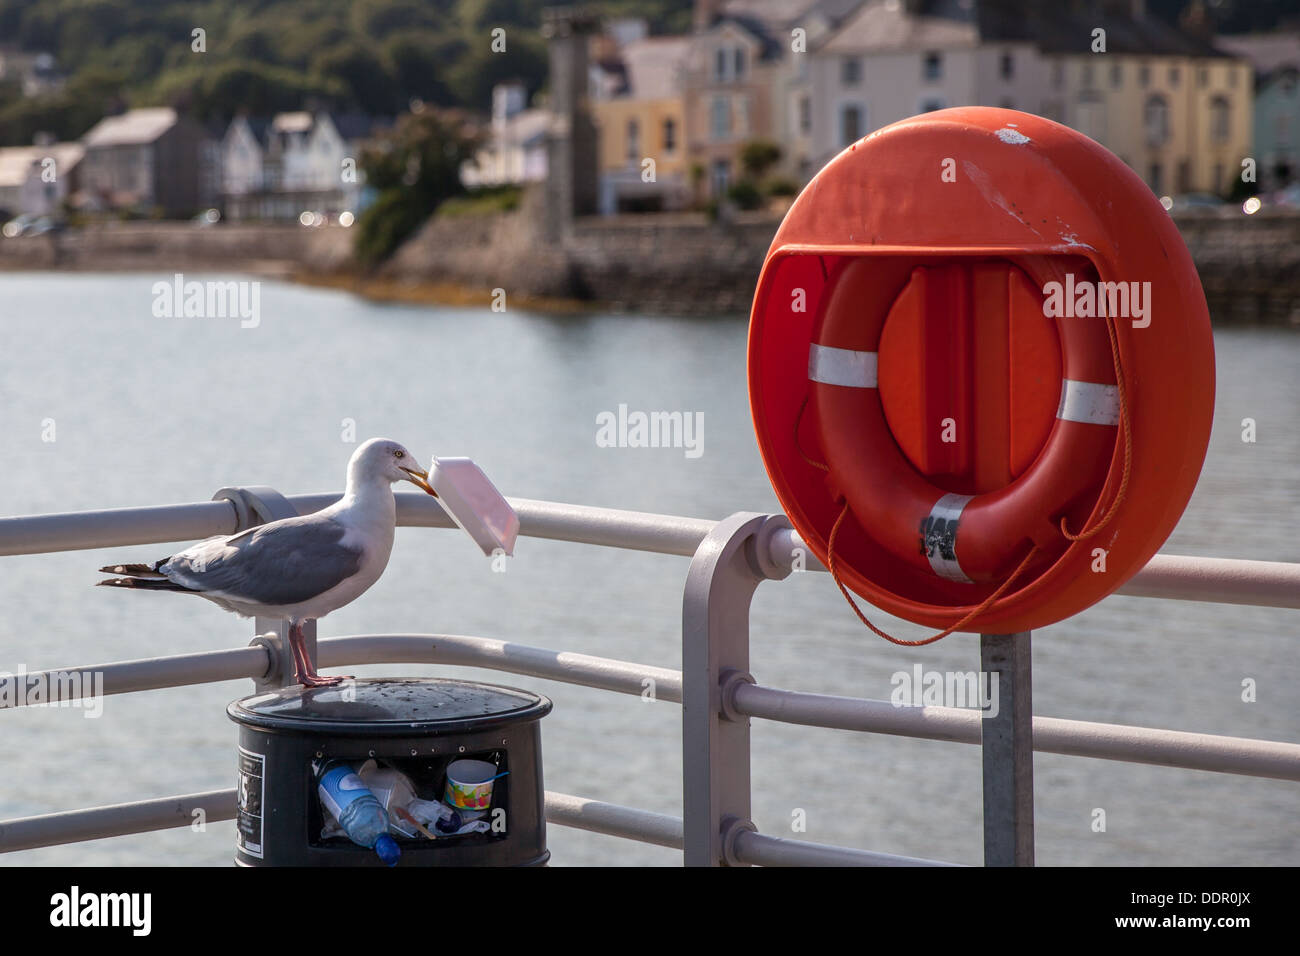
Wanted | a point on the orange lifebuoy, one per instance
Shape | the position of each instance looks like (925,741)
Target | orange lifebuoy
(962,537)
(898,304)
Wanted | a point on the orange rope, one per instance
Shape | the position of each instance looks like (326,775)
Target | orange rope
(970,616)
(1128,446)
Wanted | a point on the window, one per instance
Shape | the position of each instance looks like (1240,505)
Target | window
(932,67)
(1232,75)
(1116,74)
(1156,179)
(670,135)
(738,57)
(721,175)
(930,104)
(1007,66)
(1090,117)
(850,124)
(1007,103)
(1144,75)
(1174,75)
(721,117)
(1155,117)
(720,65)
(850,71)
(1203,76)
(805,114)
(1058,75)
(633,141)
(1088,77)
(1220,119)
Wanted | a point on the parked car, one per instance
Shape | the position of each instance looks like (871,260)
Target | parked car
(17,226)
(1196,201)
(1288,197)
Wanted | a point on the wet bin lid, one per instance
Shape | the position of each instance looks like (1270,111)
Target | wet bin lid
(387,708)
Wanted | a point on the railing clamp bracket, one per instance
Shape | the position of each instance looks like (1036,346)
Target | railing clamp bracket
(728,681)
(732,827)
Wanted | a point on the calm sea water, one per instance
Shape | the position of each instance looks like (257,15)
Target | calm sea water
(146,410)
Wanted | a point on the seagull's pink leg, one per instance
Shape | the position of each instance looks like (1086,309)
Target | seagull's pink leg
(303,672)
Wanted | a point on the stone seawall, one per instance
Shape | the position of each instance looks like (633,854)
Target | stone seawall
(677,264)
(176,246)
(1249,266)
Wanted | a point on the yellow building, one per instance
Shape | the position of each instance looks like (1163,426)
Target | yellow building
(640,118)
(1183,123)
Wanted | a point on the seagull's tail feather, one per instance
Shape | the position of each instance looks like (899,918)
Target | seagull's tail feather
(158,583)
(137,570)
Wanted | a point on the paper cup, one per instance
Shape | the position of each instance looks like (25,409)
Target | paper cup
(469,784)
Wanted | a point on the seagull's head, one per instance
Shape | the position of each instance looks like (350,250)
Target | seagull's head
(390,460)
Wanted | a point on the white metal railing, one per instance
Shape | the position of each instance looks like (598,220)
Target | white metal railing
(729,559)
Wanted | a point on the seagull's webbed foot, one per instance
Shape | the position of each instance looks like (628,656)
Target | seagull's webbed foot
(303,671)
(316,680)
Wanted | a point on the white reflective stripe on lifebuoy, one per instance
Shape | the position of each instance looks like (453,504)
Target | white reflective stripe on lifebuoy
(832,366)
(939,536)
(1089,402)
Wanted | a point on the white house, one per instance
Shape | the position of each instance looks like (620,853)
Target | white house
(35,180)
(516,149)
(892,59)
(293,163)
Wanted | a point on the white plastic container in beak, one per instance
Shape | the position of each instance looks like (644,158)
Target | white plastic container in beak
(475,504)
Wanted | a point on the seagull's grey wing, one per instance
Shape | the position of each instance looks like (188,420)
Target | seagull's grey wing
(284,562)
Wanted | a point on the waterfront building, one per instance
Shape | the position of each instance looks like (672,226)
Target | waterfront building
(143,160)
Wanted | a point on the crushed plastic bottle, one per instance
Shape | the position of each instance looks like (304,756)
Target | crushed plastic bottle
(359,813)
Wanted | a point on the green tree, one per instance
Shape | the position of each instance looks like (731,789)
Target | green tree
(758,156)
(415,167)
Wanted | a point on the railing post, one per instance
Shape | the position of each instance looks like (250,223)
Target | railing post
(1008,745)
(725,571)
(256,505)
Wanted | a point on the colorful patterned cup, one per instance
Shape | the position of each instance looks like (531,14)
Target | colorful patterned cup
(469,784)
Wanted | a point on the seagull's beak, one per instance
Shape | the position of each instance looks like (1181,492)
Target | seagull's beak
(419,479)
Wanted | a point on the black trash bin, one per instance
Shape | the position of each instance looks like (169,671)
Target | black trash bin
(415,726)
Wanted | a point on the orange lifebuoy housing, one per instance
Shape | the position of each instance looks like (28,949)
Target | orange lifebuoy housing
(915,402)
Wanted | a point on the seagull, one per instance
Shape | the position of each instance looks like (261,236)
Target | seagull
(298,568)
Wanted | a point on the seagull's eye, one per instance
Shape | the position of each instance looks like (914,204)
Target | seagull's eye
(397,454)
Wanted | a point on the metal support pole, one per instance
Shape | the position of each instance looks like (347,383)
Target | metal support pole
(256,505)
(727,568)
(1008,744)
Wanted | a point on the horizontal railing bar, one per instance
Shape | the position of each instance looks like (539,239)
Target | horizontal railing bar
(1220,754)
(1173,576)
(759,849)
(565,666)
(1078,738)
(1180,577)
(644,826)
(120,819)
(86,530)
(150,673)
(253,662)
(1217,581)
(123,527)
(123,819)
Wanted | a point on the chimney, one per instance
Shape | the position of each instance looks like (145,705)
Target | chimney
(706,11)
